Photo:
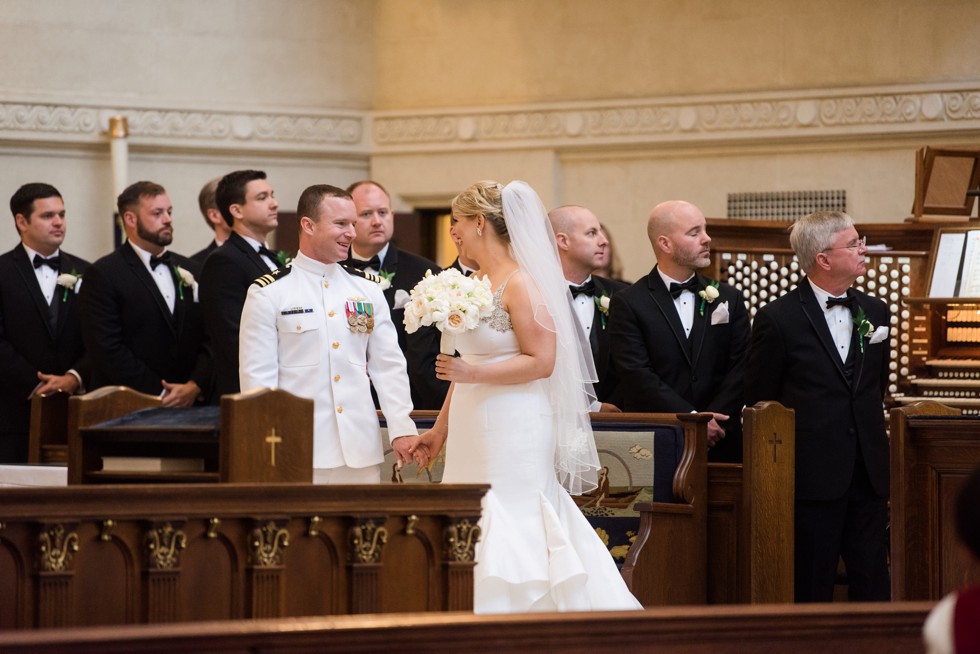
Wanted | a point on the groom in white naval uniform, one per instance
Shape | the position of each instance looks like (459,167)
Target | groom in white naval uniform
(322,331)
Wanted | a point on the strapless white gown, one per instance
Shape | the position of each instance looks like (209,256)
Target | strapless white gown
(537,551)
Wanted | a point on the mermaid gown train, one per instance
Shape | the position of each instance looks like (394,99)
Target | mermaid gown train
(537,551)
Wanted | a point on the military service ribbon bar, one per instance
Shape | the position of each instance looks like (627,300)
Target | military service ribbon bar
(360,316)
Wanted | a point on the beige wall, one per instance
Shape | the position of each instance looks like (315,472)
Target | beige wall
(616,104)
(208,85)
(627,103)
(452,53)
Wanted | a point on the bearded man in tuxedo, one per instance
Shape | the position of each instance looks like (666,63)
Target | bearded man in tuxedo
(678,338)
(141,319)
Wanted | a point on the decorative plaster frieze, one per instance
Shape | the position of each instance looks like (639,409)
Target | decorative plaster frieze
(750,116)
(950,109)
(178,128)
(58,119)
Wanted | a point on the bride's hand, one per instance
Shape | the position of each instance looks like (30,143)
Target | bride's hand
(428,445)
(454,369)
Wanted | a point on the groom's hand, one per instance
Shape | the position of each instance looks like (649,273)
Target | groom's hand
(403,446)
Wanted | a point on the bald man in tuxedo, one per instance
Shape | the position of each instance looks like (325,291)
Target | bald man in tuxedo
(581,249)
(678,338)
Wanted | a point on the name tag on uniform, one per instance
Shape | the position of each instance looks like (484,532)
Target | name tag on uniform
(360,315)
(295,310)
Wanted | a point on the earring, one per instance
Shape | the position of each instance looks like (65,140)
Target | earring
(479,231)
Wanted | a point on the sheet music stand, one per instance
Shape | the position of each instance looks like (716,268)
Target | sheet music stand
(946,184)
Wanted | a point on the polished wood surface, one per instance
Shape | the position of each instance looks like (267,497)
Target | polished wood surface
(270,437)
(933,450)
(48,432)
(92,408)
(91,555)
(887,628)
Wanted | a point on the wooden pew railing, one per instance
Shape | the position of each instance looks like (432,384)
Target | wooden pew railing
(933,449)
(123,554)
(48,437)
(886,628)
(728,537)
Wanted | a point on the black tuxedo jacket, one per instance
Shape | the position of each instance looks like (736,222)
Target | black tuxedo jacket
(661,370)
(225,278)
(29,345)
(608,388)
(793,360)
(130,335)
(201,256)
(422,347)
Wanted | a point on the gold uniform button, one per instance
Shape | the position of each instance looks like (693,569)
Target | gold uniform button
(330,314)
(299,328)
(326,284)
(340,409)
(336,378)
(335,345)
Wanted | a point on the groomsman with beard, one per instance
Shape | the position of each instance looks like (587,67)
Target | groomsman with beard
(140,317)
(373,251)
(581,249)
(41,348)
(678,338)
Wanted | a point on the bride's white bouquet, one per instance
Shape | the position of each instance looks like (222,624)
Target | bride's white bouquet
(451,301)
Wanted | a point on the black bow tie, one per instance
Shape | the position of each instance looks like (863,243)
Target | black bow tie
(156,261)
(373,262)
(266,252)
(690,285)
(848,301)
(54,262)
(588,288)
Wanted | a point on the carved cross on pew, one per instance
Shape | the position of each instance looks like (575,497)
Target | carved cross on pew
(273,439)
(774,441)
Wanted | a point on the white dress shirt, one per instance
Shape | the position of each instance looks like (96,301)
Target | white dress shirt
(381,258)
(254,244)
(683,302)
(584,308)
(163,276)
(839,321)
(47,277)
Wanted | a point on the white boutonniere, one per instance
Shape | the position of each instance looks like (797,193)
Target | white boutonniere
(283,258)
(602,304)
(708,295)
(864,327)
(70,282)
(386,279)
(185,279)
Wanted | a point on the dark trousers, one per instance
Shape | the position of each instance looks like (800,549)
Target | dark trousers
(853,528)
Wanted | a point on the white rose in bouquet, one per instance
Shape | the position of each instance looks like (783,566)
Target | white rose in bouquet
(451,301)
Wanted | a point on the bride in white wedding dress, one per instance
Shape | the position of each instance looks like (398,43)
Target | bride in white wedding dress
(516,417)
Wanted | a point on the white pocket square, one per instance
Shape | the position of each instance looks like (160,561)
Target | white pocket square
(720,315)
(401,298)
(880,334)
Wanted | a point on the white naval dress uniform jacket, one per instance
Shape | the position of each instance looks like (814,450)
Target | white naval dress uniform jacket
(294,335)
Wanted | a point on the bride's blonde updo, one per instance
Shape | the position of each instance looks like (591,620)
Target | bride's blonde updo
(483,199)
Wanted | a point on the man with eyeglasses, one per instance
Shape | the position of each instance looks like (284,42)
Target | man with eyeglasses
(823,350)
